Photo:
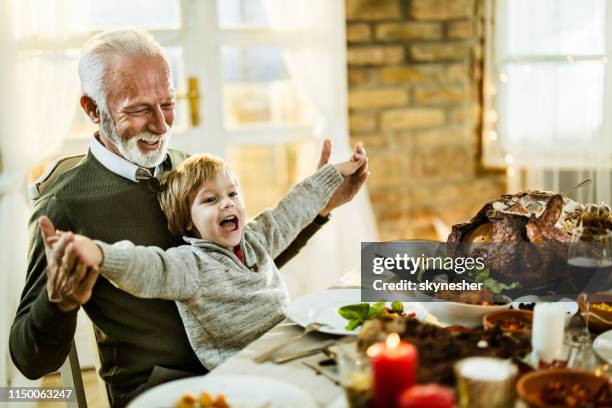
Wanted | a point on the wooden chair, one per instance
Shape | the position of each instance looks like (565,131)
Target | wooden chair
(51,174)
(71,369)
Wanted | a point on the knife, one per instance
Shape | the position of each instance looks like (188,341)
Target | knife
(293,356)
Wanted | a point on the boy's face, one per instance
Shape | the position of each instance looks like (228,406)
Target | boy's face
(217,211)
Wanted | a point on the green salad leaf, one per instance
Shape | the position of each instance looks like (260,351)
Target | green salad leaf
(358,313)
(484,276)
(355,314)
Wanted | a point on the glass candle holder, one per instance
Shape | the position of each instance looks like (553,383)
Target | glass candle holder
(355,375)
(485,382)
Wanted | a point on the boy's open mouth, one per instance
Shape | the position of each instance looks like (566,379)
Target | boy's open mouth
(229,223)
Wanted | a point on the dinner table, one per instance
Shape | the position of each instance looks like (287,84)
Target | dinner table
(321,383)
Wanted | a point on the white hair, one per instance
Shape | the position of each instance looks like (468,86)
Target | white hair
(94,59)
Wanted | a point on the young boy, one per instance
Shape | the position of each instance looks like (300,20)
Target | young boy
(227,288)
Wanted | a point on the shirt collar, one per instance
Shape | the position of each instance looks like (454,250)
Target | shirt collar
(121,166)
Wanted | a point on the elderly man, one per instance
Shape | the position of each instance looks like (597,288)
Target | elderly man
(110,195)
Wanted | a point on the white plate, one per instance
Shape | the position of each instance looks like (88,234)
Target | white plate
(603,346)
(240,391)
(322,307)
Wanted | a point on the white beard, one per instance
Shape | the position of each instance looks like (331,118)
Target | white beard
(128,148)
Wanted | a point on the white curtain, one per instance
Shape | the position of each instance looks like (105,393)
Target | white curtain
(43,89)
(315,54)
(553,92)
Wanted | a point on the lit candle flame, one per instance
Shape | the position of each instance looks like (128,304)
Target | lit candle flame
(392,341)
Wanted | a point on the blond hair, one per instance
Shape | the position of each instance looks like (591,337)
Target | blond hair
(179,188)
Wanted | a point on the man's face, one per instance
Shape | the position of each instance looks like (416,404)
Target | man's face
(140,105)
(217,211)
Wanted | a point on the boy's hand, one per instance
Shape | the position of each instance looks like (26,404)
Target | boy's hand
(348,168)
(87,251)
(70,280)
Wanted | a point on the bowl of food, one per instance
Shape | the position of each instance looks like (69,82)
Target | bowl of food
(564,388)
(467,308)
(509,321)
(600,311)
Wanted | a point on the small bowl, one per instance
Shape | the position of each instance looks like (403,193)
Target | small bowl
(599,320)
(530,386)
(492,319)
(462,314)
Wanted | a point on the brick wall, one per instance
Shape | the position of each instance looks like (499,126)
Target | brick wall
(414,70)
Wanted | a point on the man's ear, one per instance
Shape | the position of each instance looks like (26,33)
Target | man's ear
(90,108)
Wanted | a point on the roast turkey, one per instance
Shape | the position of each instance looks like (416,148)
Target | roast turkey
(523,237)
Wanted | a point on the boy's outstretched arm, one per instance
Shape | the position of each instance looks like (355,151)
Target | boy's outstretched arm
(278,226)
(345,193)
(147,272)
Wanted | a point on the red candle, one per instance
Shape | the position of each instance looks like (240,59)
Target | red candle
(394,365)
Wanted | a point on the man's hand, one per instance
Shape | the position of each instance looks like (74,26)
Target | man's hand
(70,280)
(352,184)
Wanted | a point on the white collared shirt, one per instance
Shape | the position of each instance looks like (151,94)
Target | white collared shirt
(120,165)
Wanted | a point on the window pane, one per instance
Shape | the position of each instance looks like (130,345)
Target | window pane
(241,13)
(557,105)
(258,89)
(554,27)
(59,19)
(149,14)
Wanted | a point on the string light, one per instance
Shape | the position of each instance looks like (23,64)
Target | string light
(492,90)
(509,159)
(503,77)
(511,172)
(569,58)
(604,60)
(493,135)
(492,116)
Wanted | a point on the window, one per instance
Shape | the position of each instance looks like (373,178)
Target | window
(547,113)
(547,89)
(262,120)
(249,101)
